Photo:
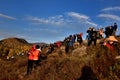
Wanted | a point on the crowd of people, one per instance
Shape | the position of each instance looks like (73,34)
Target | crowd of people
(69,41)
(35,51)
(92,35)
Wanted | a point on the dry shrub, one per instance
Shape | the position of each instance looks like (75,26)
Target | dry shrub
(102,61)
(13,69)
(58,69)
(95,64)
(79,51)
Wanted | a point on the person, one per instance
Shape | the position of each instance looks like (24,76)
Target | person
(109,42)
(36,54)
(109,51)
(89,35)
(101,32)
(58,44)
(33,58)
(50,49)
(87,74)
(92,37)
(79,38)
(114,29)
(67,40)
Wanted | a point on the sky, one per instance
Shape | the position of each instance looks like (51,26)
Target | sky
(52,20)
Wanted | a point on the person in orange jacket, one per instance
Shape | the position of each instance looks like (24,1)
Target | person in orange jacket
(36,54)
(33,58)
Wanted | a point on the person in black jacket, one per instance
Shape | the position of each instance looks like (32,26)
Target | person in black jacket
(92,36)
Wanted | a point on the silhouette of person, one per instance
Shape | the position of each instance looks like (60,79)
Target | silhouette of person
(87,74)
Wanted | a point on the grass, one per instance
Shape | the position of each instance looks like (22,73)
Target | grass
(98,64)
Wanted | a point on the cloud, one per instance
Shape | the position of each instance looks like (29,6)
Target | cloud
(53,31)
(50,31)
(62,20)
(110,16)
(78,16)
(83,19)
(111,9)
(91,23)
(55,20)
(7,17)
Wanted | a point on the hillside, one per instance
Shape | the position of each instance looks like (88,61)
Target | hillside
(12,46)
(97,63)
(13,42)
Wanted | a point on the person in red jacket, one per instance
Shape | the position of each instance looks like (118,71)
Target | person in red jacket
(109,42)
(33,58)
(110,51)
(36,55)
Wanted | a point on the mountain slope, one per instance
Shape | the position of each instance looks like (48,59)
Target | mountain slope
(98,64)
(13,46)
(13,42)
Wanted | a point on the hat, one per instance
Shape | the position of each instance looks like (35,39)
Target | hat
(112,38)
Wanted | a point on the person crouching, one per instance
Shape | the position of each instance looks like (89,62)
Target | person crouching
(109,42)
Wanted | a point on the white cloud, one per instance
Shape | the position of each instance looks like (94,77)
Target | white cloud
(50,31)
(58,20)
(55,20)
(111,9)
(78,16)
(83,19)
(37,20)
(7,17)
(110,16)
(91,23)
(70,19)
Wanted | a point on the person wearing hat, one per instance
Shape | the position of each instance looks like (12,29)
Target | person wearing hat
(109,42)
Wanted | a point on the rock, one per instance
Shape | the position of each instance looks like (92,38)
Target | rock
(76,45)
(117,57)
(79,51)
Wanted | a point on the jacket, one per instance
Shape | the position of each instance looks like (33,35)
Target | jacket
(34,55)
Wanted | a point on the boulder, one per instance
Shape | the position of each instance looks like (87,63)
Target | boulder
(79,51)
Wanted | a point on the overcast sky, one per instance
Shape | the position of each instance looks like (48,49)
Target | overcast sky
(53,20)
